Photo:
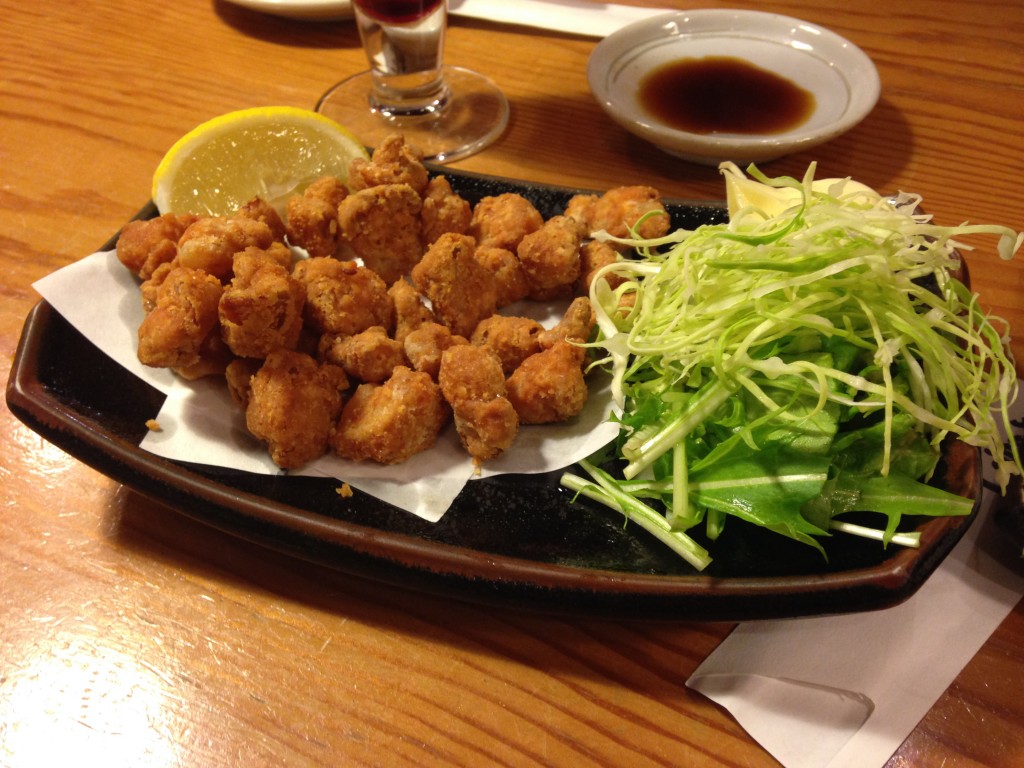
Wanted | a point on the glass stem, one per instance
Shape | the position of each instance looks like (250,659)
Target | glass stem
(406,63)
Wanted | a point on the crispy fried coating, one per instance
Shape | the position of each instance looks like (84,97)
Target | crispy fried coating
(460,289)
(512,339)
(509,278)
(145,244)
(443,210)
(343,297)
(469,372)
(619,209)
(210,244)
(214,358)
(149,288)
(330,189)
(393,162)
(410,309)
(293,403)
(313,216)
(579,209)
(381,225)
(576,324)
(425,344)
(486,428)
(280,253)
(595,255)
(259,209)
(473,383)
(503,220)
(369,356)
(551,258)
(238,376)
(184,314)
(312,225)
(390,422)
(261,309)
(549,386)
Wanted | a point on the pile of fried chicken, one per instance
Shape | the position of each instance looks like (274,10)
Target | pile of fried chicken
(385,326)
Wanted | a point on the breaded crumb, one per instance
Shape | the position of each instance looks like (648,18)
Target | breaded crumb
(345,491)
(152,425)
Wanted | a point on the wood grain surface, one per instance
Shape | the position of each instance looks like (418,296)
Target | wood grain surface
(132,636)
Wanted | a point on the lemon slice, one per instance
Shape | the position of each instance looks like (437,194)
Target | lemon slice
(744,194)
(270,152)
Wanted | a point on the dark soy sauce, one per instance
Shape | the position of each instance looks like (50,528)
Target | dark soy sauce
(723,94)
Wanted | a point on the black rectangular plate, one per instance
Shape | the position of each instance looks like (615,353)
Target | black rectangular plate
(514,541)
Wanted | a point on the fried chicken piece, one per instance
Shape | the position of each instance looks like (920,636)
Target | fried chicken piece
(330,189)
(549,386)
(145,244)
(312,225)
(184,314)
(503,220)
(388,423)
(214,358)
(576,326)
(313,216)
(509,278)
(460,289)
(410,310)
(393,162)
(259,209)
(343,297)
(594,255)
(473,383)
(579,209)
(369,356)
(293,404)
(512,339)
(381,225)
(443,211)
(149,288)
(210,244)
(425,344)
(238,376)
(551,258)
(486,428)
(469,372)
(619,209)
(280,253)
(261,309)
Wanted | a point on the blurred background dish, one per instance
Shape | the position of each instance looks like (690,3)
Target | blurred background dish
(743,70)
(312,10)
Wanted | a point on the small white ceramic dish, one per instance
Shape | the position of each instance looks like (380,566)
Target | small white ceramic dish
(842,78)
(307,10)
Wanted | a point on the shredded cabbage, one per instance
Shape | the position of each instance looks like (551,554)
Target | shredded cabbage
(820,339)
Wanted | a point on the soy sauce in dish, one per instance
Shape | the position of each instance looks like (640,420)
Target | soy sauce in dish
(724,94)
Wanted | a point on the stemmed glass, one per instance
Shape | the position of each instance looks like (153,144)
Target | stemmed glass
(447,112)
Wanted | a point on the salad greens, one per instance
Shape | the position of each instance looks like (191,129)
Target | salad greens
(802,361)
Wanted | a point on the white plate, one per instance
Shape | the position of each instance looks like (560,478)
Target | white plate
(309,10)
(841,76)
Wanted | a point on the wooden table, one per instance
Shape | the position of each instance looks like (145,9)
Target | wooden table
(132,636)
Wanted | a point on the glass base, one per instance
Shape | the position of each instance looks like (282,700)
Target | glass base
(472,116)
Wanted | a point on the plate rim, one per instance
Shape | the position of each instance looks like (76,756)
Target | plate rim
(304,10)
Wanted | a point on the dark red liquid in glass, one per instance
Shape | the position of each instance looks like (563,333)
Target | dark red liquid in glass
(722,94)
(398,11)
